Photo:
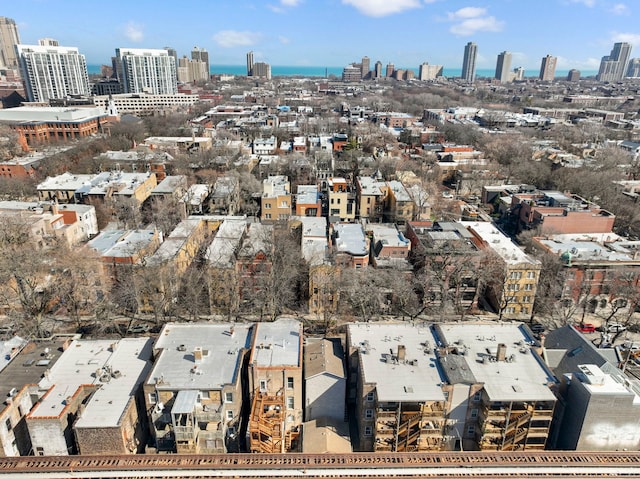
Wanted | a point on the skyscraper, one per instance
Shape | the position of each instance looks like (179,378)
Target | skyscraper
(469,62)
(613,67)
(429,72)
(634,68)
(548,68)
(202,55)
(52,72)
(146,71)
(9,38)
(365,66)
(261,69)
(573,75)
(503,67)
(377,72)
(249,64)
(390,70)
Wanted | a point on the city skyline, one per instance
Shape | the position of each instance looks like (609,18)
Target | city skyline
(305,33)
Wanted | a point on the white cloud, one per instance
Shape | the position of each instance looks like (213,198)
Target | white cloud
(283,40)
(619,9)
(133,31)
(586,3)
(633,38)
(382,8)
(234,38)
(290,3)
(469,20)
(467,12)
(283,5)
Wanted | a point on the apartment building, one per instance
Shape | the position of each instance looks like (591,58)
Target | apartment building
(553,212)
(18,387)
(275,382)
(350,245)
(308,201)
(52,72)
(399,204)
(193,395)
(500,394)
(89,402)
(399,402)
(390,247)
(602,271)
(342,199)
(510,286)
(221,262)
(275,202)
(371,198)
(146,71)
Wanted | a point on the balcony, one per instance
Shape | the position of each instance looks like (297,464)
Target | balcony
(184,433)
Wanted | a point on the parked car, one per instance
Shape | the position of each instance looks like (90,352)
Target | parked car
(615,327)
(585,327)
(138,328)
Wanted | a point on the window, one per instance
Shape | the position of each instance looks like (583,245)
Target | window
(368,414)
(471,430)
(263,385)
(370,396)
(524,310)
(205,395)
(526,299)
(510,310)
(153,398)
(290,402)
(513,287)
(267,206)
(528,287)
(39,451)
(368,431)
(531,275)
(474,413)
(516,275)
(477,396)
(229,415)
(267,216)
(8,424)
(228,397)
(289,383)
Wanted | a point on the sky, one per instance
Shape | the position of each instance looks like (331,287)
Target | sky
(334,33)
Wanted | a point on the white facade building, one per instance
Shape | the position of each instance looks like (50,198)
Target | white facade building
(146,71)
(52,72)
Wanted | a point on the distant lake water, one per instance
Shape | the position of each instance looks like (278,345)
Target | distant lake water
(322,72)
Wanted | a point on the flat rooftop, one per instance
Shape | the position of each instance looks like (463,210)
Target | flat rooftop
(43,114)
(416,379)
(222,345)
(593,247)
(389,235)
(350,239)
(115,367)
(522,377)
(510,252)
(278,343)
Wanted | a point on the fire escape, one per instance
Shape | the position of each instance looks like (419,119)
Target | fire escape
(267,432)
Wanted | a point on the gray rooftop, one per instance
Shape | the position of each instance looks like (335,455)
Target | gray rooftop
(222,345)
(170,184)
(350,239)
(307,194)
(510,252)
(414,380)
(278,343)
(116,367)
(121,243)
(522,377)
(593,247)
(222,250)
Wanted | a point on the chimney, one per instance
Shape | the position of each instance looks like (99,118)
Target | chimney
(402,352)
(197,353)
(502,352)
